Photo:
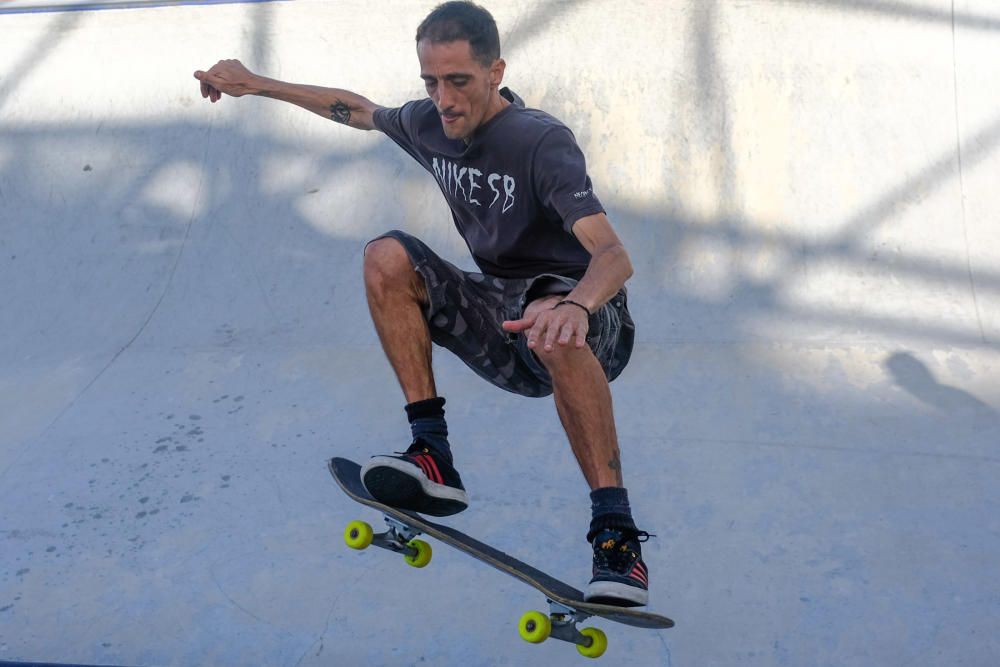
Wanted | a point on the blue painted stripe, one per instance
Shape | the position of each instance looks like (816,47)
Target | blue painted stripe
(48,8)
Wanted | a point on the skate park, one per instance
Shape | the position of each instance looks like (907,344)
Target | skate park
(809,422)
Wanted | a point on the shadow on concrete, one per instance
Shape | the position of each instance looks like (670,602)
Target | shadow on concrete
(914,376)
(44,7)
(909,11)
(533,24)
(37,54)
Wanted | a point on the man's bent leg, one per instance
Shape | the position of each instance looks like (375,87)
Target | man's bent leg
(423,478)
(396,295)
(583,400)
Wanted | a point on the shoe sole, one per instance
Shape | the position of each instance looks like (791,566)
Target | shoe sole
(617,594)
(400,484)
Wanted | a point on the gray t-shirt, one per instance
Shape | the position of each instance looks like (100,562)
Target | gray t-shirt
(515,190)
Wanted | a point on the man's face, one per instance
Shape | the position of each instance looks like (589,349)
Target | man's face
(460,87)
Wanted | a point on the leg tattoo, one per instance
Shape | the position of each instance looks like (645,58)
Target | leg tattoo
(615,464)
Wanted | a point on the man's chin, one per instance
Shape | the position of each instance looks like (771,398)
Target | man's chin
(454,130)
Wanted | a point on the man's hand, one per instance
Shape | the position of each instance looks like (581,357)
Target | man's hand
(544,324)
(226,76)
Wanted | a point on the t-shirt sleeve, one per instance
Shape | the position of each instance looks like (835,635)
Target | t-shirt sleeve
(559,175)
(399,125)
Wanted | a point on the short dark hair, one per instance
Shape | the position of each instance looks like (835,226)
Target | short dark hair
(453,21)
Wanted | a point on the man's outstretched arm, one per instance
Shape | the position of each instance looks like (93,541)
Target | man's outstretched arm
(342,106)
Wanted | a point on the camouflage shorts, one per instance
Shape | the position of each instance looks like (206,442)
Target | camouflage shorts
(466,311)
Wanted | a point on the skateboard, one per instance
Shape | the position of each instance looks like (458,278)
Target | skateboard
(567,608)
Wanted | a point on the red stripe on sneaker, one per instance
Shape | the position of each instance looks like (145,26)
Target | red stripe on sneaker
(428,464)
(639,574)
(434,473)
(421,460)
(418,461)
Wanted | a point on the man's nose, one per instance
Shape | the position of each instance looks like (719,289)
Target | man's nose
(444,97)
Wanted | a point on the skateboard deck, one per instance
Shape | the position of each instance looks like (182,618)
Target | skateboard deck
(567,605)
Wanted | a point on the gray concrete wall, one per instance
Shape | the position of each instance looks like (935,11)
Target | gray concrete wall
(809,424)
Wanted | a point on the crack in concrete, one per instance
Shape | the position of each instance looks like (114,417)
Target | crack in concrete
(961,178)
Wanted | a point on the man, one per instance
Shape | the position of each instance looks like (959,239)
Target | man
(547,315)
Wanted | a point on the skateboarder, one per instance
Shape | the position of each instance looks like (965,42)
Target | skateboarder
(548,313)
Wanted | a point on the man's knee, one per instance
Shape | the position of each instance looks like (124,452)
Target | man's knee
(386,260)
(563,357)
(387,265)
(386,253)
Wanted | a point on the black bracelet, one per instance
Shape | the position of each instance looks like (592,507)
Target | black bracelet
(573,303)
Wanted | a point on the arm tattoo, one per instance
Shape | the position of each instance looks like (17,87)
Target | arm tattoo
(340,113)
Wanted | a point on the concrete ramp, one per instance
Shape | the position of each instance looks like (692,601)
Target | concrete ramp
(809,423)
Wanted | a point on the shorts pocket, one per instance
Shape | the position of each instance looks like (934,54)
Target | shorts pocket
(606,330)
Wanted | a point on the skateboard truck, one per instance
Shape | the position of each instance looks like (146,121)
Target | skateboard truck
(536,627)
(564,620)
(399,538)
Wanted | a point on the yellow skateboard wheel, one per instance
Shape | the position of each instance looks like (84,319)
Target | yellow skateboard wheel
(358,535)
(534,627)
(598,643)
(423,555)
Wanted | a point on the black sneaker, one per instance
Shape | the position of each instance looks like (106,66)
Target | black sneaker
(620,576)
(420,480)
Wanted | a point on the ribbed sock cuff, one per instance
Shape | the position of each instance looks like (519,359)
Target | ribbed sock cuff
(427,424)
(610,510)
(431,407)
(609,500)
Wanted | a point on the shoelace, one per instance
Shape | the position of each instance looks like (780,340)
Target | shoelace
(416,448)
(615,557)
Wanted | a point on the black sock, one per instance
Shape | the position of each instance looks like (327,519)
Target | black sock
(427,424)
(610,510)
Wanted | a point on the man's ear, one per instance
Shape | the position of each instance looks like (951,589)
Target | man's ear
(496,72)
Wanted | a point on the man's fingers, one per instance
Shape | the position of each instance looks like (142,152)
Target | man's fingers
(547,331)
(559,334)
(562,335)
(517,326)
(566,333)
(207,89)
(551,335)
(534,334)
(558,331)
(206,77)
